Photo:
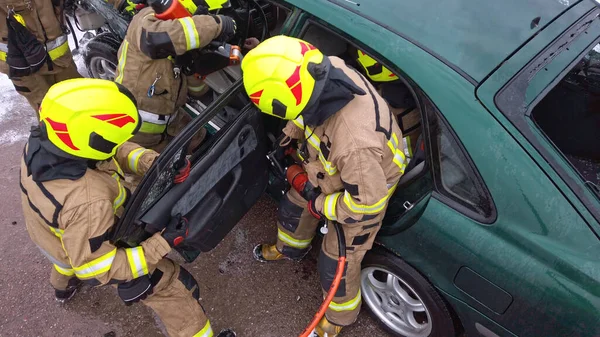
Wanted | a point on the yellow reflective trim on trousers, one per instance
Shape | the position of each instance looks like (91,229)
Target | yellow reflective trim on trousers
(206,331)
(290,241)
(137,261)
(346,306)
(2,56)
(122,60)
(192,40)
(148,127)
(96,267)
(64,271)
(57,231)
(375,208)
(330,205)
(133,158)
(59,51)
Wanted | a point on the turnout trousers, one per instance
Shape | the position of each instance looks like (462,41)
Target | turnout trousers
(35,86)
(296,228)
(174,298)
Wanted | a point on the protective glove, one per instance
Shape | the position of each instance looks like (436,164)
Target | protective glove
(135,290)
(183,171)
(201,10)
(228,27)
(176,231)
(312,209)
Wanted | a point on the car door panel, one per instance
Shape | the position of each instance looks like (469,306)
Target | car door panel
(228,174)
(221,187)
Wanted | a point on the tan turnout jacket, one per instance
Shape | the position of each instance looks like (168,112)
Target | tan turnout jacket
(138,66)
(41,18)
(70,220)
(356,156)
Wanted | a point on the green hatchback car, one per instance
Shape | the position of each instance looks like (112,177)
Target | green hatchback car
(495,230)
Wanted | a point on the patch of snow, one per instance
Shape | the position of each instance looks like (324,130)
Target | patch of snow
(16,115)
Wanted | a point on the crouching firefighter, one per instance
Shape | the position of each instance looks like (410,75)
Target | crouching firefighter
(72,191)
(34,49)
(149,66)
(350,145)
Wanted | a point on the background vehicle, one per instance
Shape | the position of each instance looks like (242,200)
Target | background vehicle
(496,232)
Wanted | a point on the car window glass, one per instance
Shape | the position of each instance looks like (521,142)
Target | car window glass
(458,179)
(569,117)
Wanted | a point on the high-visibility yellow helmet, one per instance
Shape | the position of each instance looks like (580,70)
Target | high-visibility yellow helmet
(284,76)
(374,70)
(88,118)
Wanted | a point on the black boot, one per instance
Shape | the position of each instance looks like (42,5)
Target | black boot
(62,296)
(226,333)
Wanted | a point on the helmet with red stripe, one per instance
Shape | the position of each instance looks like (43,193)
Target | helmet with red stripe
(284,76)
(88,118)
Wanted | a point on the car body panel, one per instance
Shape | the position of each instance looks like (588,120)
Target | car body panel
(474,37)
(550,159)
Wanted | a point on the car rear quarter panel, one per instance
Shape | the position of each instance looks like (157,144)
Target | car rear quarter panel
(539,250)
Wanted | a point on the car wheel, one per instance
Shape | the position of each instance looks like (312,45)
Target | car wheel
(402,300)
(101,56)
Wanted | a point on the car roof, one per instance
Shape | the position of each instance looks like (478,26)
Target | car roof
(473,36)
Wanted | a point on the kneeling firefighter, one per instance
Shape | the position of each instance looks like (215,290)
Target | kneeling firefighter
(34,49)
(398,97)
(350,146)
(72,191)
(148,65)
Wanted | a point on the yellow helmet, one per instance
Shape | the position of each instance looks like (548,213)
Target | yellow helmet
(284,76)
(374,70)
(88,118)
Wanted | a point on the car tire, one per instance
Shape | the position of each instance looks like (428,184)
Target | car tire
(403,301)
(100,56)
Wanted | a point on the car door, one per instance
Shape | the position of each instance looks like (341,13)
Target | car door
(228,174)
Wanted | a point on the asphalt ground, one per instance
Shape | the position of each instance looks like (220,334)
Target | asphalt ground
(255,299)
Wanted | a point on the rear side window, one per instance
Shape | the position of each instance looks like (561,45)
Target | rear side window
(456,177)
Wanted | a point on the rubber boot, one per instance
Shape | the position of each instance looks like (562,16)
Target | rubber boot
(63,296)
(326,329)
(266,253)
(226,333)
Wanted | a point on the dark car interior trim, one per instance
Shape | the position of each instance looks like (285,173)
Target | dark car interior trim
(512,104)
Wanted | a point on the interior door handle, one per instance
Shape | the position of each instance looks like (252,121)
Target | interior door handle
(237,177)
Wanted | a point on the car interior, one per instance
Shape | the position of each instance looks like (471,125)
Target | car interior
(569,116)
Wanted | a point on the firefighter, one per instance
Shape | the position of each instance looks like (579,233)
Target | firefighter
(34,49)
(351,150)
(398,97)
(72,191)
(146,67)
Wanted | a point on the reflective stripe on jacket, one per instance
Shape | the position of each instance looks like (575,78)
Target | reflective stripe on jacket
(356,156)
(71,220)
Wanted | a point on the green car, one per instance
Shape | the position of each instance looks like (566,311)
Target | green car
(494,231)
